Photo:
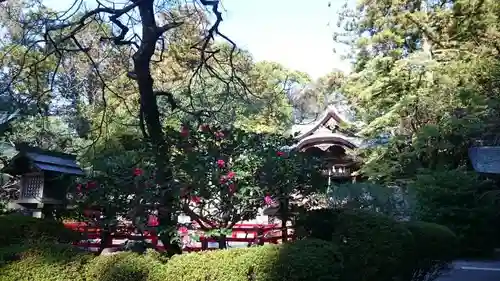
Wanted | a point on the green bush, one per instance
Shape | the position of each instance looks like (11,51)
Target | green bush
(373,246)
(126,266)
(42,262)
(303,260)
(454,198)
(58,262)
(435,247)
(17,229)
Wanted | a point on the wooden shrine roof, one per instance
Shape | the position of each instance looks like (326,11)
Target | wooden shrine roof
(42,160)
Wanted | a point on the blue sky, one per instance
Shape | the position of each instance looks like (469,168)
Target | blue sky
(290,32)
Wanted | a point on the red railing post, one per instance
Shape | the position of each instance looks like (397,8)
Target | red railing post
(154,239)
(260,235)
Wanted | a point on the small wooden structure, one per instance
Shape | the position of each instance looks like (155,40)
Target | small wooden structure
(326,138)
(45,177)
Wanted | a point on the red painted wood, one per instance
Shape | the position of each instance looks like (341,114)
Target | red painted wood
(91,232)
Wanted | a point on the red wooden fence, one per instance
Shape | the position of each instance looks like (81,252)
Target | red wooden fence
(242,233)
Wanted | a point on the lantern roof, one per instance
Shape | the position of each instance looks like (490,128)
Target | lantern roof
(30,159)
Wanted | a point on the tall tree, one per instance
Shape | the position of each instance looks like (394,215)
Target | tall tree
(134,26)
(425,77)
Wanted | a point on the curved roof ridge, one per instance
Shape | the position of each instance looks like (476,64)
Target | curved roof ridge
(330,112)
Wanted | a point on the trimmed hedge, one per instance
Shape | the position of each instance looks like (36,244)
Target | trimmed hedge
(43,262)
(303,260)
(18,229)
(373,246)
(360,245)
(126,266)
(50,262)
(436,246)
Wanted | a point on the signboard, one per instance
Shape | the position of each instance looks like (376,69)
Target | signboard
(485,159)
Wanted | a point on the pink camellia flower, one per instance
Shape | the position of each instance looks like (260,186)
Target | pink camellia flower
(184,131)
(268,200)
(221,163)
(204,128)
(280,153)
(183,230)
(231,175)
(91,184)
(219,135)
(223,180)
(196,199)
(153,220)
(138,172)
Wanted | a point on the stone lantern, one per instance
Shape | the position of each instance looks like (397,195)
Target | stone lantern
(45,177)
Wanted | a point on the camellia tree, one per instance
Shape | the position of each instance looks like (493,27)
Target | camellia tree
(223,177)
(227,174)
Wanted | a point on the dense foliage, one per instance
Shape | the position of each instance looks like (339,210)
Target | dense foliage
(384,247)
(301,260)
(221,177)
(425,83)
(456,198)
(270,262)
(435,246)
(16,229)
(382,242)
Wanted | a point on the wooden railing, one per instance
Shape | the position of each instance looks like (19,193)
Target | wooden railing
(242,235)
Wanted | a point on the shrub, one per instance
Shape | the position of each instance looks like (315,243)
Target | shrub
(42,262)
(373,246)
(304,260)
(58,262)
(454,198)
(126,266)
(18,229)
(435,247)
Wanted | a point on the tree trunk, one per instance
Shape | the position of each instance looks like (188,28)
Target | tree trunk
(149,109)
(285,217)
(222,241)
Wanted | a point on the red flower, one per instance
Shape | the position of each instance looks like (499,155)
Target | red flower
(232,188)
(280,153)
(204,128)
(184,131)
(138,172)
(221,163)
(268,200)
(223,180)
(79,187)
(183,230)
(196,199)
(91,184)
(219,135)
(153,220)
(231,175)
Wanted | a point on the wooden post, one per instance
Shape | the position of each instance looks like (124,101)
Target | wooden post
(204,243)
(284,218)
(154,239)
(260,236)
(222,241)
